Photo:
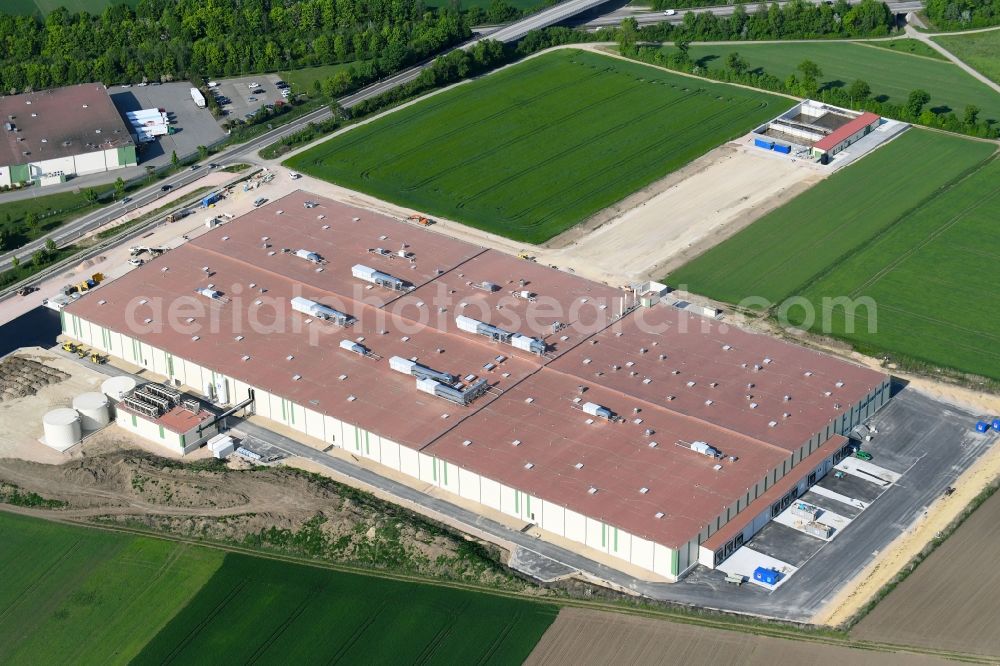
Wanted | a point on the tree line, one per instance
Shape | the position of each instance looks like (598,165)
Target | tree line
(164,39)
(805,82)
(798,19)
(962,14)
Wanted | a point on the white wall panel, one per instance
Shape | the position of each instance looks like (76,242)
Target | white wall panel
(468,484)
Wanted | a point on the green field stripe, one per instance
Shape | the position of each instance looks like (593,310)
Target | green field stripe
(537,147)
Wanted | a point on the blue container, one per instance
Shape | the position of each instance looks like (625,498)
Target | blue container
(210,199)
(765,575)
(996,424)
(763,143)
(982,426)
(782,148)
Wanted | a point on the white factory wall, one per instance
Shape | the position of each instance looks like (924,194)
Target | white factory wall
(92,162)
(85,163)
(5,180)
(552,518)
(181,443)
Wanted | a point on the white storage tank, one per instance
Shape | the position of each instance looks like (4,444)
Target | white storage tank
(117,387)
(93,409)
(221,445)
(62,428)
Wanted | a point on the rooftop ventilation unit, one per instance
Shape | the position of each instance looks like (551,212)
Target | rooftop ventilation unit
(310,256)
(704,449)
(486,286)
(320,311)
(408,367)
(516,340)
(385,280)
(594,409)
(207,292)
(359,349)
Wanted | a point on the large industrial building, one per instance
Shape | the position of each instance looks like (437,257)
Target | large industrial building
(627,425)
(52,135)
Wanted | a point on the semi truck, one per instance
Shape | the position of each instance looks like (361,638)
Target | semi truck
(198,98)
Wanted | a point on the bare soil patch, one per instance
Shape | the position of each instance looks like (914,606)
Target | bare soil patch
(583,637)
(275,509)
(950,602)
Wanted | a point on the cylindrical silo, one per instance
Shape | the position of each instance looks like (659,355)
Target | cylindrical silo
(62,428)
(93,409)
(116,387)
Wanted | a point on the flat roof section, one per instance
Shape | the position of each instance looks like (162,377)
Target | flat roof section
(59,123)
(831,140)
(562,453)
(331,231)
(721,374)
(319,375)
(557,307)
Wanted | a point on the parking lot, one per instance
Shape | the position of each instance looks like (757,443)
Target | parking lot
(195,127)
(243,101)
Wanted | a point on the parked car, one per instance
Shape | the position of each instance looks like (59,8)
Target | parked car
(259,202)
(253,85)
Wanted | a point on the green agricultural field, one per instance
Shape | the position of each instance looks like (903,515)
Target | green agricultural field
(910,226)
(892,75)
(76,595)
(906,45)
(534,149)
(981,50)
(262,610)
(46,6)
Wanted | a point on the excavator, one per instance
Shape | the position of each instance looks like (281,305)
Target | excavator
(421,220)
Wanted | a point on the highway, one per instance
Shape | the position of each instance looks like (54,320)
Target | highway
(646,17)
(71,231)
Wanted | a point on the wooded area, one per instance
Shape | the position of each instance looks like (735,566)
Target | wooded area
(164,39)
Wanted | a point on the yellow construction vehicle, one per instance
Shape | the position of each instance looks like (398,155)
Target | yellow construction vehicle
(70,347)
(421,220)
(98,359)
(525,256)
(81,352)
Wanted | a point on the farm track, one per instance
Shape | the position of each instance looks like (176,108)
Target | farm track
(729,624)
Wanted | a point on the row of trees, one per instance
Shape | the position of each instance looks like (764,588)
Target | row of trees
(805,82)
(798,19)
(961,14)
(163,39)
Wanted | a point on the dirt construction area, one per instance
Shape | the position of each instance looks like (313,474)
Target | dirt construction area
(280,509)
(681,216)
(950,602)
(583,637)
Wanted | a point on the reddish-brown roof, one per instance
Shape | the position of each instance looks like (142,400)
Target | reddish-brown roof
(68,121)
(179,420)
(831,140)
(364,391)
(554,436)
(707,369)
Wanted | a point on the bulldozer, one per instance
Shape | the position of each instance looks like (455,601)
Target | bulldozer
(525,256)
(70,347)
(82,352)
(98,359)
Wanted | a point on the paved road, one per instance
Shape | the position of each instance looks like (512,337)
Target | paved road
(925,37)
(509,33)
(645,17)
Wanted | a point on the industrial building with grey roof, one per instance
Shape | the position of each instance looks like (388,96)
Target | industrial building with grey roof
(55,134)
(655,436)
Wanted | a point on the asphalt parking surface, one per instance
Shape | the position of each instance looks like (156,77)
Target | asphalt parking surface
(239,94)
(786,544)
(195,127)
(852,486)
(830,504)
